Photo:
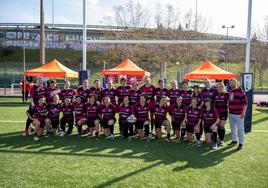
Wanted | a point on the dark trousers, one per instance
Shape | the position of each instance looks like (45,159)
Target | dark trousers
(25,97)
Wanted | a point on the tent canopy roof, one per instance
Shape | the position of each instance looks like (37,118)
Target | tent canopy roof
(208,70)
(127,67)
(53,69)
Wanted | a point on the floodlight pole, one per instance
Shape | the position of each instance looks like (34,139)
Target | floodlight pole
(42,33)
(84,65)
(248,36)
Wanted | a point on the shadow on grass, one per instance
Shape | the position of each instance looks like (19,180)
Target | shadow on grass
(155,152)
(264,112)
(13,104)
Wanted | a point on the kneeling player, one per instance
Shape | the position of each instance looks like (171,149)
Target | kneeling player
(67,117)
(178,116)
(80,116)
(193,121)
(159,112)
(92,114)
(210,121)
(141,111)
(39,117)
(53,114)
(107,114)
(125,111)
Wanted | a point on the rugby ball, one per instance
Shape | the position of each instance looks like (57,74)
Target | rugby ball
(131,119)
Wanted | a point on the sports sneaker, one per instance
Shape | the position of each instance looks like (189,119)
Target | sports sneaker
(221,143)
(199,142)
(129,138)
(240,146)
(214,146)
(36,138)
(62,134)
(25,133)
(168,140)
(78,135)
(112,136)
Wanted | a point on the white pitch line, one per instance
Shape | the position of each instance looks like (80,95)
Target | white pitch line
(11,121)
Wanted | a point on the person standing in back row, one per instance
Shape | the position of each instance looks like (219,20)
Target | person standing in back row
(237,113)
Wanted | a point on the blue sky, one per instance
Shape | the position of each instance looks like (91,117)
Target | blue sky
(220,12)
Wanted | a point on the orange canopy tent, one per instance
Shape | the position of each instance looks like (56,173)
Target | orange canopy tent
(127,68)
(208,70)
(53,69)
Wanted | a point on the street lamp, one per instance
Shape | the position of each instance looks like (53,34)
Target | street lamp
(227,36)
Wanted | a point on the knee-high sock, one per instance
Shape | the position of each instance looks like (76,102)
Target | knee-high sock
(214,137)
(198,136)
(183,132)
(146,130)
(221,132)
(112,129)
(28,123)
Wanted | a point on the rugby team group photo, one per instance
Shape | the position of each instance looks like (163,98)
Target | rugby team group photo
(139,110)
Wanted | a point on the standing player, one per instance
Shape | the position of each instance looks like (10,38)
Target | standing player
(122,90)
(134,93)
(237,113)
(51,91)
(67,92)
(67,117)
(37,91)
(83,91)
(221,105)
(208,92)
(174,92)
(196,93)
(178,116)
(186,94)
(40,114)
(53,114)
(80,116)
(142,114)
(148,90)
(107,115)
(161,90)
(96,90)
(193,121)
(125,110)
(109,92)
(92,114)
(159,112)
(211,119)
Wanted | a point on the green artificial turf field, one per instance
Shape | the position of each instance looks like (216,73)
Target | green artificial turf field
(87,162)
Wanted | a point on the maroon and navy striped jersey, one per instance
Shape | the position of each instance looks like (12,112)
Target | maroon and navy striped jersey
(92,111)
(160,92)
(178,112)
(149,92)
(50,93)
(40,112)
(173,94)
(111,93)
(83,93)
(121,92)
(193,116)
(79,111)
(237,101)
(36,93)
(208,93)
(67,93)
(125,112)
(142,112)
(53,111)
(107,112)
(67,111)
(209,117)
(96,92)
(134,96)
(221,102)
(160,112)
(186,97)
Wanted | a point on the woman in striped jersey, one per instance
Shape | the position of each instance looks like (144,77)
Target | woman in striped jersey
(221,105)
